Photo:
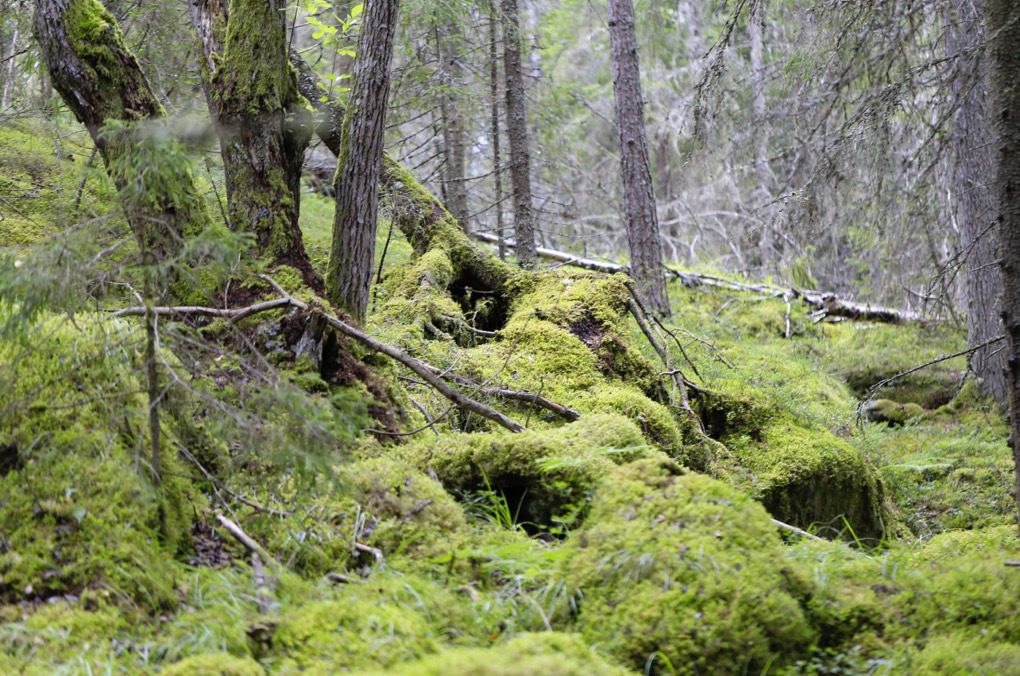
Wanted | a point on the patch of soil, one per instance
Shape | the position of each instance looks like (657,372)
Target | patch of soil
(589,330)
(210,549)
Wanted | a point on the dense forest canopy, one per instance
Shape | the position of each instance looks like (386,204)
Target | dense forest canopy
(509,337)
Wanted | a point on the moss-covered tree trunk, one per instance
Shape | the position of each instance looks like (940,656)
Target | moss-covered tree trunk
(262,121)
(517,131)
(1002,25)
(101,82)
(638,197)
(361,152)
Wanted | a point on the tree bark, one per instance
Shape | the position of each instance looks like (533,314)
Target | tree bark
(1002,26)
(449,46)
(261,120)
(973,203)
(494,131)
(638,196)
(764,242)
(359,164)
(101,81)
(517,131)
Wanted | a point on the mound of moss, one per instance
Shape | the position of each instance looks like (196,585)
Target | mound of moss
(215,664)
(523,655)
(78,506)
(686,570)
(544,475)
(384,503)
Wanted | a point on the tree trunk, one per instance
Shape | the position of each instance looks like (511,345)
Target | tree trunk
(261,120)
(9,76)
(973,203)
(638,196)
(764,242)
(494,132)
(359,164)
(448,46)
(1002,26)
(101,81)
(517,131)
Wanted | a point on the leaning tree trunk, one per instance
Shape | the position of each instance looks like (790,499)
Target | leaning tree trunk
(1002,26)
(973,153)
(101,82)
(262,122)
(517,131)
(638,196)
(352,253)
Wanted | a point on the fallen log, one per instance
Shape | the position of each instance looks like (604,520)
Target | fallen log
(823,304)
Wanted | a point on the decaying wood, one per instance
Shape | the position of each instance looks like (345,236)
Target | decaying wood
(824,304)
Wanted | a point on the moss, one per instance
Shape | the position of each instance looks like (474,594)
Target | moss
(946,471)
(76,505)
(543,475)
(523,655)
(811,476)
(684,567)
(384,503)
(217,664)
(964,655)
(885,410)
(325,637)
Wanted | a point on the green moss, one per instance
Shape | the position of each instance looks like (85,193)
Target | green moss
(684,567)
(322,638)
(523,655)
(810,476)
(218,664)
(384,503)
(544,475)
(947,471)
(963,655)
(885,410)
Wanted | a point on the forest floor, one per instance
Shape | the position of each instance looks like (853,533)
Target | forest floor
(751,516)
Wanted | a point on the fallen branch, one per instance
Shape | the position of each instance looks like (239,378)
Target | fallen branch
(873,390)
(825,304)
(795,530)
(423,370)
(245,539)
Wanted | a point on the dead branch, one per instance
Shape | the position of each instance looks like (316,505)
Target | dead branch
(250,544)
(826,304)
(873,390)
(797,531)
(424,371)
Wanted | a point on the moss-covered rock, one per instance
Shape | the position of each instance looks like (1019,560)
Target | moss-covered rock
(523,655)
(543,475)
(684,568)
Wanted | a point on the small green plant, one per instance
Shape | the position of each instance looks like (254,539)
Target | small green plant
(493,506)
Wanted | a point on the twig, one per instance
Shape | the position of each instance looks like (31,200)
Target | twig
(245,539)
(873,390)
(798,531)
(379,558)
(219,484)
(263,594)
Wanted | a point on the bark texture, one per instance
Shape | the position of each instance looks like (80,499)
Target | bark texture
(638,196)
(262,122)
(1002,24)
(101,81)
(449,45)
(352,253)
(973,203)
(517,131)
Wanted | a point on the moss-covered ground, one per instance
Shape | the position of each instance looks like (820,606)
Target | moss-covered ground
(410,537)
